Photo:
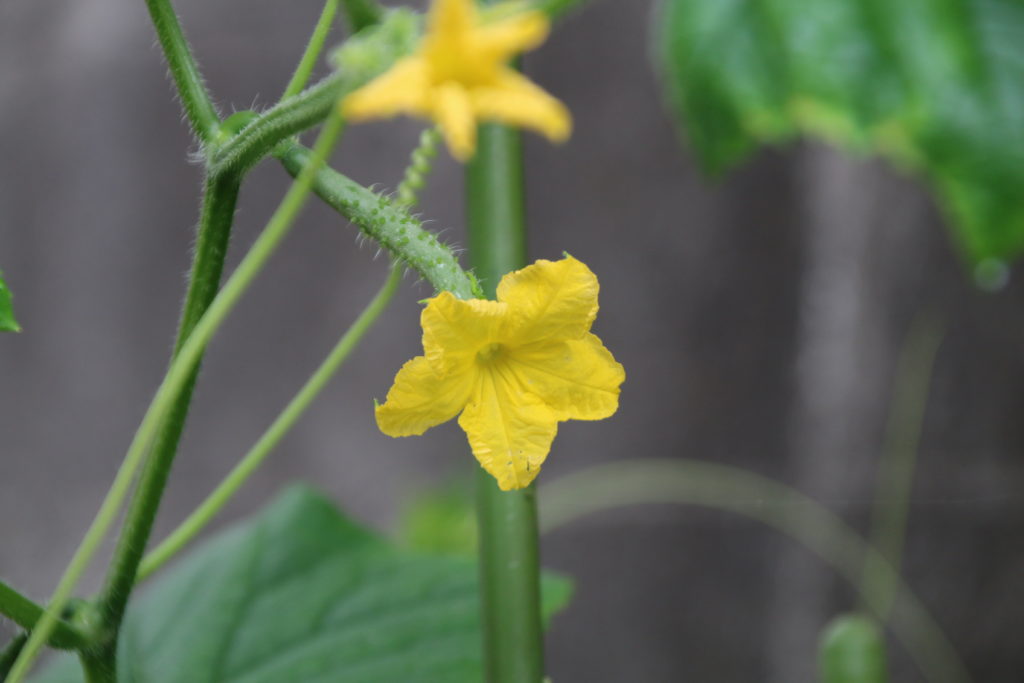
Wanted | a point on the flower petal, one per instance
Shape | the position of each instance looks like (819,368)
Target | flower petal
(453,111)
(454,330)
(420,399)
(451,18)
(402,89)
(553,299)
(578,379)
(509,431)
(515,100)
(505,38)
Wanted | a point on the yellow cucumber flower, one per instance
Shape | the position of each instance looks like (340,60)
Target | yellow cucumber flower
(459,75)
(514,368)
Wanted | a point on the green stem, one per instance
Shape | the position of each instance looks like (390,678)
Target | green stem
(195,99)
(413,180)
(98,667)
(280,427)
(219,201)
(10,653)
(896,469)
(720,487)
(175,380)
(312,51)
(387,223)
(280,122)
(509,554)
(26,614)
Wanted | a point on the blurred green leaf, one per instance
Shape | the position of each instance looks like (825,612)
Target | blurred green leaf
(852,650)
(937,86)
(7,321)
(300,593)
(441,521)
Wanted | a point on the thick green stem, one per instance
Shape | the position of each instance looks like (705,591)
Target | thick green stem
(98,667)
(213,504)
(26,614)
(215,223)
(195,99)
(509,554)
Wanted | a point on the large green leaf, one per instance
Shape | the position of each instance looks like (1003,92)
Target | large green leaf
(935,85)
(302,594)
(7,321)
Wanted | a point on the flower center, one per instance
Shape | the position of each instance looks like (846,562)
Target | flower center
(488,353)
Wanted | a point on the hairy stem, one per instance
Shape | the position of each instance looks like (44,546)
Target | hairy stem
(177,377)
(509,554)
(277,124)
(195,99)
(213,504)
(10,653)
(387,223)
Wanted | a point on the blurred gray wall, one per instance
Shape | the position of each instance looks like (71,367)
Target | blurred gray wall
(759,319)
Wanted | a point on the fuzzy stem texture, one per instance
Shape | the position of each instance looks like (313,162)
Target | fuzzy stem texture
(195,99)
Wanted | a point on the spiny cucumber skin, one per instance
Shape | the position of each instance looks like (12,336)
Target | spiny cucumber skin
(388,224)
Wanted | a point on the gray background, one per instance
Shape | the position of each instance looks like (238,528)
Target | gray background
(759,319)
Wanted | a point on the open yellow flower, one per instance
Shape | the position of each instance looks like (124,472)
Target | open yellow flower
(459,75)
(513,367)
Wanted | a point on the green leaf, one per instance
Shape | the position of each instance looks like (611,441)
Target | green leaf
(7,321)
(441,520)
(302,594)
(937,86)
(852,650)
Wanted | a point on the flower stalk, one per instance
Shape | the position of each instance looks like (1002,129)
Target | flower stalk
(509,552)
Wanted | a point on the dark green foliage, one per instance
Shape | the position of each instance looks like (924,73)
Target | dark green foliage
(936,86)
(300,593)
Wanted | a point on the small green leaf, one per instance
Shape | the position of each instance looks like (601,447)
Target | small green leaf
(299,593)
(7,321)
(937,86)
(852,650)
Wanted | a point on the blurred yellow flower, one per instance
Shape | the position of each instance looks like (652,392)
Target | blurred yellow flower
(459,75)
(514,368)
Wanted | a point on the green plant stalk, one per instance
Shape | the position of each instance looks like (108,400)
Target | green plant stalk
(195,99)
(280,122)
(387,223)
(177,376)
(720,487)
(313,49)
(217,216)
(213,504)
(412,181)
(10,653)
(26,614)
(509,554)
(899,454)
